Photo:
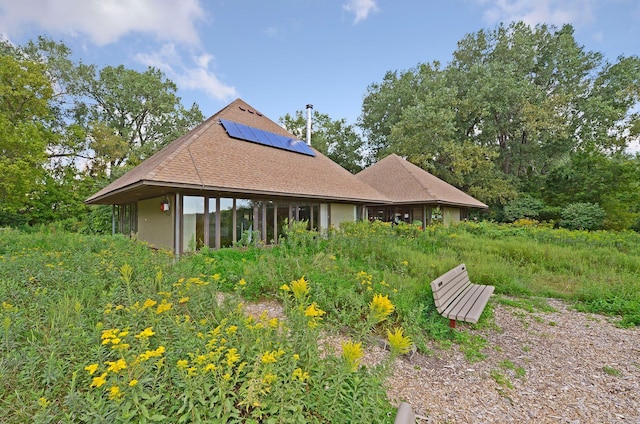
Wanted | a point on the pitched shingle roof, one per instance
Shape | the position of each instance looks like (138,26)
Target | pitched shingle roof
(403,182)
(207,159)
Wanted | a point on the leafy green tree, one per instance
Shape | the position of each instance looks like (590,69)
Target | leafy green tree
(525,98)
(333,138)
(24,132)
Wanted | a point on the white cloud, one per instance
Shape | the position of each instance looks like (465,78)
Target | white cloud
(532,12)
(105,21)
(193,74)
(360,8)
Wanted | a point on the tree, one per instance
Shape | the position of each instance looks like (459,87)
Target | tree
(335,139)
(525,98)
(24,134)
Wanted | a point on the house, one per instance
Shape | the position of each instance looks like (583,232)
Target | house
(414,194)
(239,175)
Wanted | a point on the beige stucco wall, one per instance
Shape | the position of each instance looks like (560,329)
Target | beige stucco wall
(450,215)
(155,226)
(342,212)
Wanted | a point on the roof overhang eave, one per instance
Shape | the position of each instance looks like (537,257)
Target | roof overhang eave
(109,197)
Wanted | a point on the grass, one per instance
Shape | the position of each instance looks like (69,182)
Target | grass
(61,293)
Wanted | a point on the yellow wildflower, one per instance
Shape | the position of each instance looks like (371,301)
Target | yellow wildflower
(296,357)
(43,402)
(91,368)
(299,375)
(273,322)
(149,304)
(192,371)
(242,282)
(116,366)
(232,356)
(313,311)
(216,277)
(146,333)
(226,377)
(99,381)
(182,364)
(300,289)
(163,306)
(231,330)
(351,353)
(183,300)
(114,393)
(210,367)
(380,307)
(398,342)
(133,383)
(269,378)
(285,287)
(269,357)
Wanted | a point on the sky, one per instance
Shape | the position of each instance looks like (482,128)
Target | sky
(280,55)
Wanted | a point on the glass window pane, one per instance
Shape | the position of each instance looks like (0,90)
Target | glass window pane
(212,222)
(192,223)
(244,220)
(226,222)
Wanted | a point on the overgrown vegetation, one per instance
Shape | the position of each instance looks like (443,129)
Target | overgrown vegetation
(101,328)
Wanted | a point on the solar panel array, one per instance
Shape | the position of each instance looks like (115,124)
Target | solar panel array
(266,138)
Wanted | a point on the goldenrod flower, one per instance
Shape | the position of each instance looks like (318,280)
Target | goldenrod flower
(43,402)
(192,371)
(182,364)
(232,356)
(351,353)
(242,282)
(163,306)
(133,383)
(99,381)
(226,377)
(216,277)
(115,393)
(210,367)
(269,378)
(296,357)
(149,304)
(300,289)
(231,330)
(183,300)
(398,342)
(299,375)
(285,287)
(116,366)
(269,357)
(91,368)
(380,307)
(146,333)
(313,311)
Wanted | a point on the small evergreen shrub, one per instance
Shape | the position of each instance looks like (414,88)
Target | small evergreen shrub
(523,207)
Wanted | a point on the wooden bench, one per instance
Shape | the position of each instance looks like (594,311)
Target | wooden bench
(457,299)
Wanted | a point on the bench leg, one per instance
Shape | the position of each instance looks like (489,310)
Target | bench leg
(452,323)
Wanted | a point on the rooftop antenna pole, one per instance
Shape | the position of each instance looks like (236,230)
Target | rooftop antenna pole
(309,107)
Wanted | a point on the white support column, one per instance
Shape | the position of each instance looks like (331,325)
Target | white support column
(176,226)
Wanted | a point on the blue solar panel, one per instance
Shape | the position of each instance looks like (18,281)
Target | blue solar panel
(266,138)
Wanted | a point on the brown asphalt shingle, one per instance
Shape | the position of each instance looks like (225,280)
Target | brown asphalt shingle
(403,182)
(206,158)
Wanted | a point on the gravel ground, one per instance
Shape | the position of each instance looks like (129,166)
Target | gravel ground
(542,367)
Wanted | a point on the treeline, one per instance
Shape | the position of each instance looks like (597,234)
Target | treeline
(522,118)
(67,128)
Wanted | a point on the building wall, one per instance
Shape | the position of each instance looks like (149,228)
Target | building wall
(154,225)
(450,215)
(342,212)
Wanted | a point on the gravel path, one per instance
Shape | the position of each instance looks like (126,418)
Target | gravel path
(557,367)
(543,367)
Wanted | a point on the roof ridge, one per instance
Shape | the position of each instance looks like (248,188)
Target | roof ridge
(404,163)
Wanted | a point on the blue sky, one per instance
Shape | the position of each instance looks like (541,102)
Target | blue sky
(279,55)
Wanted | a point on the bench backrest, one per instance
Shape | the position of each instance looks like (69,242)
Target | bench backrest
(448,286)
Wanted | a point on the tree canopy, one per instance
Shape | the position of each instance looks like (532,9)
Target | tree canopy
(512,110)
(66,126)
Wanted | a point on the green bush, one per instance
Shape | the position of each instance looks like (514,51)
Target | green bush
(582,216)
(524,207)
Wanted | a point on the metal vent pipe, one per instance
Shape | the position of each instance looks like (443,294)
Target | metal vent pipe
(309,107)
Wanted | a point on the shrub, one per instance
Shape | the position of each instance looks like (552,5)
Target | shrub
(582,216)
(524,207)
